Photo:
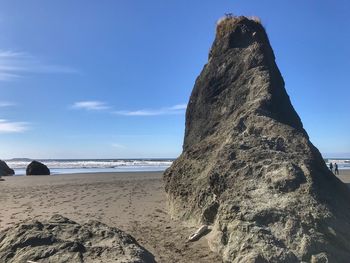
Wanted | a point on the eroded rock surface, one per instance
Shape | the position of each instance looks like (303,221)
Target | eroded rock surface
(61,240)
(248,167)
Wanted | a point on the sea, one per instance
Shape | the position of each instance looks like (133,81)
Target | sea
(343,163)
(71,166)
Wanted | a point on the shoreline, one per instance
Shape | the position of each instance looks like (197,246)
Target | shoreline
(94,173)
(341,171)
(71,171)
(344,172)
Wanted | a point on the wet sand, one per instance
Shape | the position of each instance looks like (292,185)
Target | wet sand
(344,175)
(133,202)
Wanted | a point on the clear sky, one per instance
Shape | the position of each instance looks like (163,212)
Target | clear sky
(110,79)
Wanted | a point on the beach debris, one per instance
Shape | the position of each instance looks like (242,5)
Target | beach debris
(198,234)
(37,168)
(5,170)
(62,240)
(248,168)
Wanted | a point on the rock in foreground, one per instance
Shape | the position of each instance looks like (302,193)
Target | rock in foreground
(248,167)
(37,168)
(5,170)
(62,240)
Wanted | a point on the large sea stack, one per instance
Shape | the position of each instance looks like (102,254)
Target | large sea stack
(248,167)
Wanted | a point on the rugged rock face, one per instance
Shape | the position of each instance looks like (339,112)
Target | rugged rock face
(248,167)
(37,168)
(5,170)
(61,240)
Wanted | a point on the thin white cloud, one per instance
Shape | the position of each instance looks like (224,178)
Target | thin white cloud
(8,76)
(90,105)
(4,104)
(179,107)
(176,109)
(117,145)
(12,127)
(14,65)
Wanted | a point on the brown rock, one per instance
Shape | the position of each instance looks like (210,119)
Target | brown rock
(248,167)
(61,240)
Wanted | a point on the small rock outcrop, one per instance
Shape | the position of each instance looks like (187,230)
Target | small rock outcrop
(61,240)
(5,170)
(37,168)
(248,167)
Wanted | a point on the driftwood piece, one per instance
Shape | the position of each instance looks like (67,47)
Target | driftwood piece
(198,234)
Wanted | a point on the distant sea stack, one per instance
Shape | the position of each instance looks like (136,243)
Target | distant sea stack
(248,167)
(5,170)
(37,168)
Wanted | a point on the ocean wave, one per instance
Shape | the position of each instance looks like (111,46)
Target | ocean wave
(342,163)
(339,161)
(137,164)
(89,164)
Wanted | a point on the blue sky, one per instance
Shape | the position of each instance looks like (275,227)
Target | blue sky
(110,79)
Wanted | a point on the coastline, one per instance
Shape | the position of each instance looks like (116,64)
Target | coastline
(73,166)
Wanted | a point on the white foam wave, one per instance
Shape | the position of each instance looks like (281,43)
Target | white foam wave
(342,163)
(89,164)
(339,161)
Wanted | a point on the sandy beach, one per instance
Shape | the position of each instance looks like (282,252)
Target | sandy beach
(133,202)
(344,175)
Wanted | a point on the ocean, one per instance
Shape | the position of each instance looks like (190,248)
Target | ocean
(343,163)
(68,166)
